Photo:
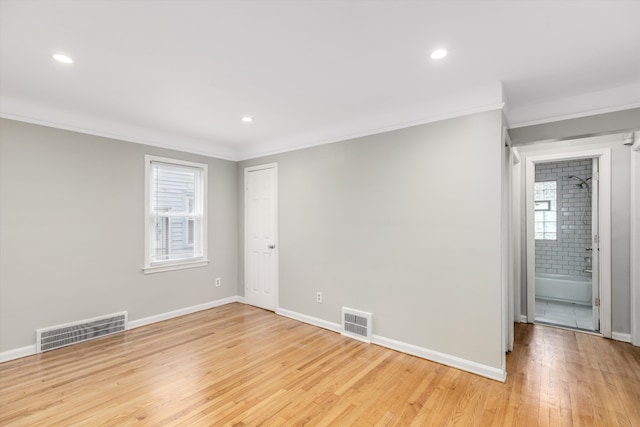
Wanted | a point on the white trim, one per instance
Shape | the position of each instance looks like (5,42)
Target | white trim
(325,324)
(604,156)
(134,140)
(374,131)
(176,266)
(435,356)
(506,249)
(516,233)
(234,154)
(276,251)
(202,188)
(17,353)
(523,319)
(621,336)
(575,115)
(30,350)
(498,374)
(180,312)
(635,242)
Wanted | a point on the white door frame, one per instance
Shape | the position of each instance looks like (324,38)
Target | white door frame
(507,248)
(276,250)
(595,250)
(604,157)
(635,241)
(516,234)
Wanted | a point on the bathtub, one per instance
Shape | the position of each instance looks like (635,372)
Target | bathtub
(558,287)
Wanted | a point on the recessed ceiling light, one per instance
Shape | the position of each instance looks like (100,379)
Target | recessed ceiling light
(438,54)
(247,119)
(62,58)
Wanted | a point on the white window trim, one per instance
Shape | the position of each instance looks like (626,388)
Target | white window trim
(186,223)
(202,261)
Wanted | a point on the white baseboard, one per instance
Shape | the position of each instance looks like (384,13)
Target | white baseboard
(29,350)
(424,353)
(180,312)
(523,319)
(435,356)
(334,327)
(497,374)
(620,336)
(17,353)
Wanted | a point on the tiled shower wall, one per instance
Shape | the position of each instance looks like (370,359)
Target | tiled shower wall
(566,255)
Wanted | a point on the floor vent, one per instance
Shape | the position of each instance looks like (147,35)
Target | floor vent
(356,324)
(71,333)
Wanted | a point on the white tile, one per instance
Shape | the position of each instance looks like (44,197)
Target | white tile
(584,316)
(581,309)
(582,324)
(555,321)
(558,307)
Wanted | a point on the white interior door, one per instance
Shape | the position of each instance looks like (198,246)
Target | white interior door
(595,246)
(261,250)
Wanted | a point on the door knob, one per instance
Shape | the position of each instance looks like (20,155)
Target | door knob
(271,246)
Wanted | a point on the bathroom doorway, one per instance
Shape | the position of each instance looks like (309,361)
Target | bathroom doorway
(568,243)
(565,204)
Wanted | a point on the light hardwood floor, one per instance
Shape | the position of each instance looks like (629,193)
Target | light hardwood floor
(239,365)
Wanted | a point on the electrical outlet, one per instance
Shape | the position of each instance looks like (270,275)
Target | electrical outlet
(218,282)
(319,297)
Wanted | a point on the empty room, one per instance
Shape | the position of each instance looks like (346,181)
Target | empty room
(319,212)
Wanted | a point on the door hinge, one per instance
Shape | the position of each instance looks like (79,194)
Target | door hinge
(597,302)
(596,176)
(596,239)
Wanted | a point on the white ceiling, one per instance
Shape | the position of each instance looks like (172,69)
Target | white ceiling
(182,73)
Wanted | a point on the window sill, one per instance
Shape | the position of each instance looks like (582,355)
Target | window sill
(175,266)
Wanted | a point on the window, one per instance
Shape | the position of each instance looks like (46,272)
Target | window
(175,209)
(189,224)
(546,210)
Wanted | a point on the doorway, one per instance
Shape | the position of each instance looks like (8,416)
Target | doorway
(568,240)
(261,231)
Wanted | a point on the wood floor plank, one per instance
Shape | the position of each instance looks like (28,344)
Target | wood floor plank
(240,365)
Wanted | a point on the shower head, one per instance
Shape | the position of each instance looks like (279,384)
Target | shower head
(583,182)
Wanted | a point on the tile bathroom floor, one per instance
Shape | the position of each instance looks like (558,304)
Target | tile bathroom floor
(564,314)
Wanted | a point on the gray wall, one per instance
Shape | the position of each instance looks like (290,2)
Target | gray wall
(404,224)
(71,215)
(620,219)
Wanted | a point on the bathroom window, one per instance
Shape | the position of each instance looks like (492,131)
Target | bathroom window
(546,210)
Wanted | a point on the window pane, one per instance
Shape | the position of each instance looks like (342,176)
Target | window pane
(546,225)
(173,203)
